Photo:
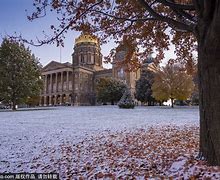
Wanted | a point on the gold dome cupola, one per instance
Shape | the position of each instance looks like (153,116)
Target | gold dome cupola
(86,38)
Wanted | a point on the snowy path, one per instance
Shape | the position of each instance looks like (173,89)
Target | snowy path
(24,135)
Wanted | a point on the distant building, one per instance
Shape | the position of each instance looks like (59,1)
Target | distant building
(74,84)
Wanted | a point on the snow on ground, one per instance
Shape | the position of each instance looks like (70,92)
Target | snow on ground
(52,139)
(161,152)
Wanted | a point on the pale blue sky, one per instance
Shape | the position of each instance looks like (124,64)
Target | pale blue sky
(13,18)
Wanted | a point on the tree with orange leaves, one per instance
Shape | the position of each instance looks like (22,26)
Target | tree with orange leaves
(191,25)
(172,82)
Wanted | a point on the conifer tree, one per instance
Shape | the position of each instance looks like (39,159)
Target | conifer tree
(143,87)
(19,73)
(126,100)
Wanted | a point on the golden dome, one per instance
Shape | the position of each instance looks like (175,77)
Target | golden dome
(86,38)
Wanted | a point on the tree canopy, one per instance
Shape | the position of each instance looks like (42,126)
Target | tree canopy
(171,82)
(143,91)
(191,25)
(147,26)
(19,73)
(109,90)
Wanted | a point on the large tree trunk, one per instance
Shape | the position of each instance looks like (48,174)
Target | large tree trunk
(209,83)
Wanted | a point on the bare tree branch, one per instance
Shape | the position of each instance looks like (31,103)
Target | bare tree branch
(179,26)
(189,7)
(56,37)
(124,18)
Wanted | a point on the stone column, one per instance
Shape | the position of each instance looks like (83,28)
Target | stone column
(40,100)
(56,89)
(45,100)
(67,80)
(55,100)
(45,86)
(51,83)
(50,100)
(61,81)
(61,99)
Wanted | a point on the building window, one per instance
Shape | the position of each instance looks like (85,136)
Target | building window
(76,86)
(70,85)
(80,86)
(54,87)
(64,85)
(85,58)
(81,58)
(89,59)
(92,59)
(121,73)
(59,87)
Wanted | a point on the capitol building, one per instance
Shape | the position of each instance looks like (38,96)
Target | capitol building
(74,84)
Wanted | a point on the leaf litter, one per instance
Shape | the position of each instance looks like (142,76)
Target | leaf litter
(157,152)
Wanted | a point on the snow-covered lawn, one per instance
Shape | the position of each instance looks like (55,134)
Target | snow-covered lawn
(61,139)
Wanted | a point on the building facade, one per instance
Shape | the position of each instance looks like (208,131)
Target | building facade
(57,79)
(74,84)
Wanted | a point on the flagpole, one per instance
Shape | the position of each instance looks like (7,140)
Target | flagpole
(60,54)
